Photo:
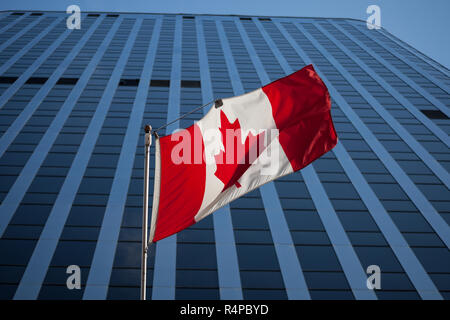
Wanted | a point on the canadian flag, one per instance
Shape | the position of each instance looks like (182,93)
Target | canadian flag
(246,142)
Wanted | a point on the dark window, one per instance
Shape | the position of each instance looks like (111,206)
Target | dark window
(257,257)
(253,236)
(383,256)
(188,17)
(122,293)
(252,294)
(93,15)
(262,280)
(194,235)
(31,214)
(196,256)
(160,83)
(265,19)
(83,215)
(245,18)
(318,258)
(397,295)
(435,114)
(17,14)
(81,253)
(199,294)
(11,274)
(127,277)
(129,82)
(67,81)
(197,278)
(36,80)
(7,79)
(190,83)
(36,14)
(18,252)
(49,292)
(326,280)
(112,15)
(330,295)
(21,232)
(436,260)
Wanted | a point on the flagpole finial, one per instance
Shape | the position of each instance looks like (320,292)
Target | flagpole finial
(148,135)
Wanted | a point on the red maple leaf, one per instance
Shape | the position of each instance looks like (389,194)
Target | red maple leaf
(238,156)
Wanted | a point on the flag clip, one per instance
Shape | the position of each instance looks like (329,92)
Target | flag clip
(218,103)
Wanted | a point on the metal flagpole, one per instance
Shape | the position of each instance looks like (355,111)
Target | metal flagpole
(148,142)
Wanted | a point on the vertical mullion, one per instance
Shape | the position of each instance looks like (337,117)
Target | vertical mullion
(227,261)
(291,270)
(236,82)
(14,129)
(164,275)
(397,95)
(421,202)
(405,255)
(19,34)
(25,49)
(418,54)
(440,84)
(36,270)
(439,68)
(12,89)
(12,24)
(351,265)
(415,146)
(16,193)
(397,242)
(3,15)
(102,263)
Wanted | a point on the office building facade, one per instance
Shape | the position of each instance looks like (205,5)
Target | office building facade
(73,103)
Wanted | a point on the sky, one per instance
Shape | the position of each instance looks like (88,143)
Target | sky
(421,23)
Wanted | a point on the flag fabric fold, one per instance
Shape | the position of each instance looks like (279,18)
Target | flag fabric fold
(250,140)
